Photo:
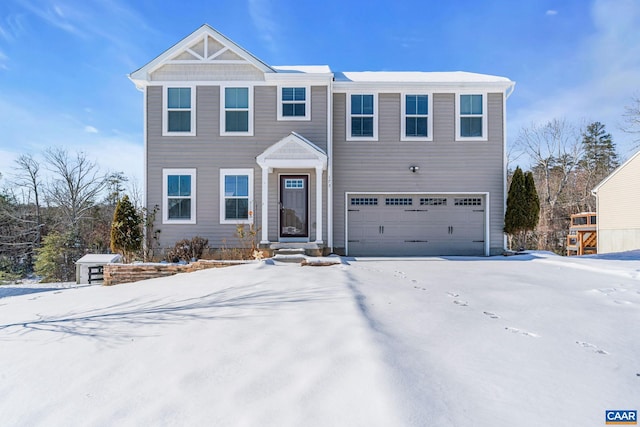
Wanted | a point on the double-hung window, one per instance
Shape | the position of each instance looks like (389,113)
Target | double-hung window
(362,123)
(236,190)
(179,196)
(236,117)
(416,123)
(179,108)
(471,122)
(293,103)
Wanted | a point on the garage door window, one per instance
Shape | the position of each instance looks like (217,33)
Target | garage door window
(364,201)
(470,201)
(395,201)
(433,201)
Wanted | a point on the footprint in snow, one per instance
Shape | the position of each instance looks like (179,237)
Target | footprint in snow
(461,303)
(518,331)
(596,349)
(492,315)
(622,302)
(453,294)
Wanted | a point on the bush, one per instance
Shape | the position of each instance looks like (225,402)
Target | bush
(126,230)
(187,250)
(55,260)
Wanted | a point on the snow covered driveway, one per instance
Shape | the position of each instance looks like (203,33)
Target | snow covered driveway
(525,341)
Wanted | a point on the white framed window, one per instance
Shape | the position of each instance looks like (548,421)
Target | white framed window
(236,196)
(362,119)
(471,117)
(294,103)
(416,122)
(178,196)
(236,111)
(179,108)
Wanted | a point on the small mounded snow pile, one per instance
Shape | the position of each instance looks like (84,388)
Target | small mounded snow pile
(527,340)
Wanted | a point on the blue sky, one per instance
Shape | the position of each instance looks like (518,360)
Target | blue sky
(64,63)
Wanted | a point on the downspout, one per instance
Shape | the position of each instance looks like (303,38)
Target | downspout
(330,164)
(507,94)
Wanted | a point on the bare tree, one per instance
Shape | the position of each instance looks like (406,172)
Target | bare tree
(27,176)
(555,149)
(76,184)
(632,118)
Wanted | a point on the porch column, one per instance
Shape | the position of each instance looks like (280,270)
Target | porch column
(319,204)
(265,205)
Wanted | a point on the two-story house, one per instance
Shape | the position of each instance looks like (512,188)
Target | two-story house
(358,163)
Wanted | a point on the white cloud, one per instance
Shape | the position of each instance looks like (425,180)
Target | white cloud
(609,64)
(261,12)
(551,12)
(90,129)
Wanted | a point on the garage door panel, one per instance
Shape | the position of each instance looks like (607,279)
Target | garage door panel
(421,225)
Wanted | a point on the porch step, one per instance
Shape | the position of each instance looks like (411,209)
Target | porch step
(292,249)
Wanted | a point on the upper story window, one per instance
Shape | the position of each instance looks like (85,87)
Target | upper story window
(471,122)
(236,189)
(362,123)
(293,103)
(179,196)
(236,115)
(179,109)
(416,123)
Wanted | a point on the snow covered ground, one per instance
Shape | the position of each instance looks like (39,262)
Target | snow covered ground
(530,340)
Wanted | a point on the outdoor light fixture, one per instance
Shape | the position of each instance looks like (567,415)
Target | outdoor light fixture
(414,169)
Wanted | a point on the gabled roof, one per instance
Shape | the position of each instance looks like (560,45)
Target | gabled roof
(183,52)
(617,171)
(293,150)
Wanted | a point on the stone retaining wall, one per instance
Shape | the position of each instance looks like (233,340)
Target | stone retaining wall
(115,274)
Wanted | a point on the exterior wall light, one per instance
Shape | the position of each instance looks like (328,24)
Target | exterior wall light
(414,169)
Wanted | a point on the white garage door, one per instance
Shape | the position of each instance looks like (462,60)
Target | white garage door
(415,225)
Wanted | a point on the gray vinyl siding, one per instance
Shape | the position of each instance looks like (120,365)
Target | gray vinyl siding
(208,152)
(446,165)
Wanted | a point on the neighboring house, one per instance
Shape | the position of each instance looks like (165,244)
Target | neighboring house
(362,163)
(618,208)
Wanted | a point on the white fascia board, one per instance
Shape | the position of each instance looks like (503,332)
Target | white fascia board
(394,87)
(310,79)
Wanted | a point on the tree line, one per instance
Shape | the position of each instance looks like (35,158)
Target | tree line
(54,211)
(566,164)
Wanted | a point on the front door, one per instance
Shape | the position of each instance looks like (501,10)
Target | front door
(294,195)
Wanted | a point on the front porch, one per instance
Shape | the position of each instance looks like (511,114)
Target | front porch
(293,183)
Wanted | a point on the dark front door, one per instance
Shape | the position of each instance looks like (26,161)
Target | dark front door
(294,195)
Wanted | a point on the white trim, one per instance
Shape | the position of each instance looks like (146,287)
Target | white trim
(403,117)
(165,109)
(244,171)
(485,130)
(306,238)
(250,90)
(487,217)
(376,114)
(614,173)
(165,197)
(307,103)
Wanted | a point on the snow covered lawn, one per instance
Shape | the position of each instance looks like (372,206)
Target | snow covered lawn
(529,340)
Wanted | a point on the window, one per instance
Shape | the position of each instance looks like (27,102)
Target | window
(433,201)
(361,121)
(236,189)
(471,122)
(416,123)
(470,201)
(364,201)
(179,196)
(293,103)
(294,183)
(405,201)
(179,117)
(236,117)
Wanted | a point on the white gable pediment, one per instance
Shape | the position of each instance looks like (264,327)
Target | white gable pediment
(293,151)
(205,55)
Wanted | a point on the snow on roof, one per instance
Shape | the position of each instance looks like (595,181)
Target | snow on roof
(306,69)
(98,258)
(418,77)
